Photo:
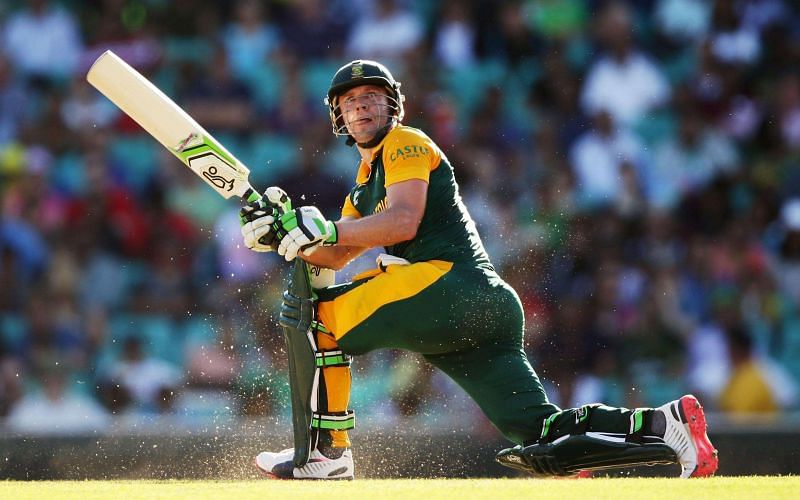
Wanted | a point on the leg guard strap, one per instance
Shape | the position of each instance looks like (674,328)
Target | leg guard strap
(339,421)
(571,454)
(567,422)
(331,358)
(579,421)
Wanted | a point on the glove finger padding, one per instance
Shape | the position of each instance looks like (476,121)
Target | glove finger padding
(259,235)
(288,247)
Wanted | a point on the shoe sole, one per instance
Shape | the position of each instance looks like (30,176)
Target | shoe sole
(271,476)
(707,457)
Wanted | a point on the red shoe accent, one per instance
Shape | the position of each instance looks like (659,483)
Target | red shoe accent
(707,460)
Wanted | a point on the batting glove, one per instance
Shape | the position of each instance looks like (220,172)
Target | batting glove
(257,219)
(302,230)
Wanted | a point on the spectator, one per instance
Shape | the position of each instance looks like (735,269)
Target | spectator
(249,39)
(455,37)
(607,162)
(731,40)
(57,409)
(688,162)
(761,14)
(757,385)
(555,99)
(316,30)
(13,103)
(787,109)
(216,98)
(290,115)
(515,43)
(784,261)
(389,33)
(215,363)
(84,109)
(147,382)
(624,81)
(127,29)
(43,41)
(683,21)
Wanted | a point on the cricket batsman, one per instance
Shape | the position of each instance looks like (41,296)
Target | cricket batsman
(434,292)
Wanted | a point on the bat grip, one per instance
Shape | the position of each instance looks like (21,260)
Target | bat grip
(250,195)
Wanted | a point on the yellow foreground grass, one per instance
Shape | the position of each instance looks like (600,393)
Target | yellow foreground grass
(727,488)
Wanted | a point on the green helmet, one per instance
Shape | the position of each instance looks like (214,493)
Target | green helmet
(354,74)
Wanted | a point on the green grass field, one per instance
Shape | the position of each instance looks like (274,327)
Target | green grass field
(729,488)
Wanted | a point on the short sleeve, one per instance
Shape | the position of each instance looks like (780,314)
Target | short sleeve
(409,154)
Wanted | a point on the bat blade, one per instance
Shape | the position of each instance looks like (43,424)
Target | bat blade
(170,125)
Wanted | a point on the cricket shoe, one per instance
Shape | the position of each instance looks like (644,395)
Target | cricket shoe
(280,465)
(685,432)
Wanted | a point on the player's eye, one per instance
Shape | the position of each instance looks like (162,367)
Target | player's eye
(353,101)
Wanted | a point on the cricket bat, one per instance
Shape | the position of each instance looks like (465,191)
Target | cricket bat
(170,125)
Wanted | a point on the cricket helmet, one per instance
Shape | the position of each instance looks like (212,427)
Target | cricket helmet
(362,72)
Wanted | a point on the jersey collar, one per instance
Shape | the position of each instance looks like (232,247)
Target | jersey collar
(364,168)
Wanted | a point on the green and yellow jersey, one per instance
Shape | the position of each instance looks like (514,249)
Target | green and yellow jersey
(447,232)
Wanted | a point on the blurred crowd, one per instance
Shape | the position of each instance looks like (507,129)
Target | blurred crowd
(633,167)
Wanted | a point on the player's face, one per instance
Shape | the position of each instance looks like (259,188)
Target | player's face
(365,110)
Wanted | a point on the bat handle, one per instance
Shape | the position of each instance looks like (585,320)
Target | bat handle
(250,195)
(275,195)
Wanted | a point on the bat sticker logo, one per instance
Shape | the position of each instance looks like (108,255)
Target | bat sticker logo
(218,180)
(187,143)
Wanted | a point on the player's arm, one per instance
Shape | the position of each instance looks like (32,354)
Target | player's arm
(306,231)
(397,223)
